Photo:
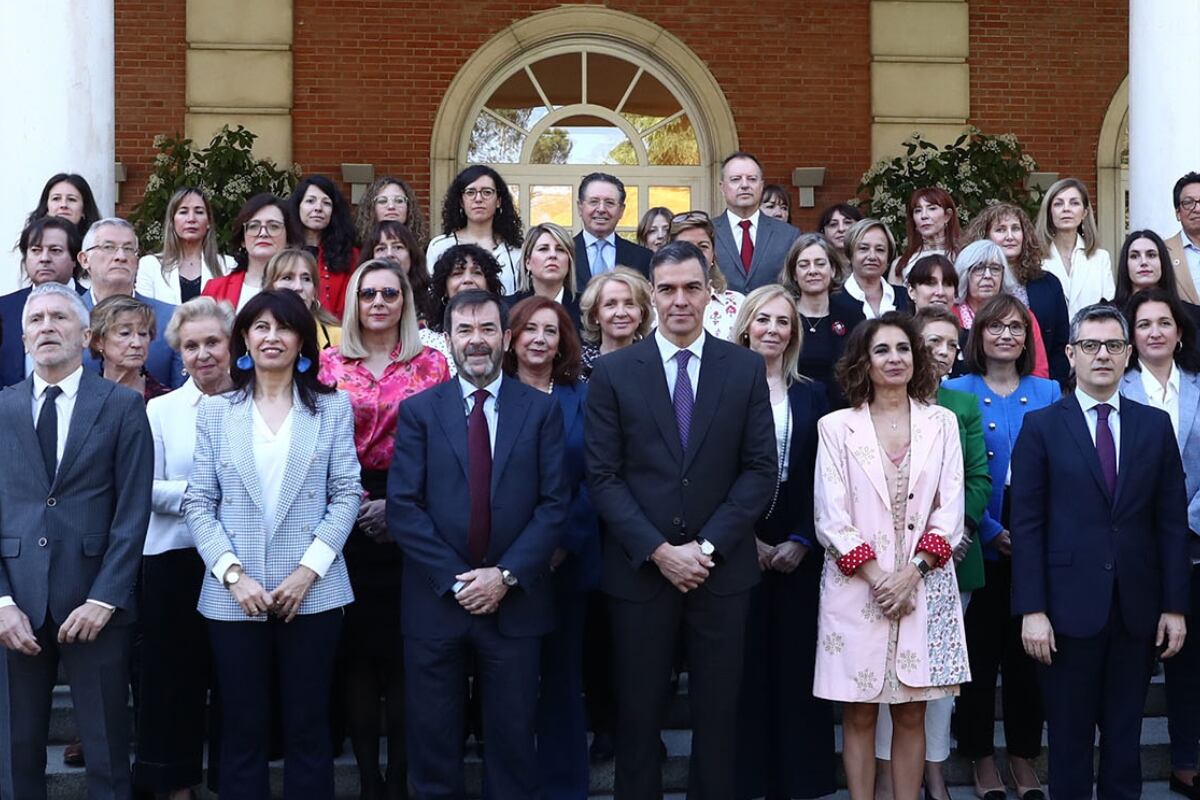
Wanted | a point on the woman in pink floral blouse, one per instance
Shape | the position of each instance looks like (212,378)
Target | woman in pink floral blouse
(380,362)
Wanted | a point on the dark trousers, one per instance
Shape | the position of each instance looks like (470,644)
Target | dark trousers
(1097,682)
(435,705)
(994,647)
(561,728)
(253,657)
(174,665)
(1183,690)
(98,673)
(598,681)
(644,636)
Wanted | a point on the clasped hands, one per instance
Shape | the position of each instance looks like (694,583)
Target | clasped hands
(684,565)
(284,602)
(783,557)
(81,625)
(893,592)
(484,590)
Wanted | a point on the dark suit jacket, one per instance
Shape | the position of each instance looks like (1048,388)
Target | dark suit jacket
(581,538)
(648,491)
(629,254)
(793,514)
(162,362)
(12,348)
(569,302)
(1075,546)
(771,245)
(429,507)
(1049,306)
(81,537)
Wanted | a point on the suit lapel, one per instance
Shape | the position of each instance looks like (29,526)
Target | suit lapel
(569,406)
(93,391)
(583,270)
(658,394)
(20,402)
(731,255)
(864,448)
(512,407)
(1189,398)
(762,240)
(708,396)
(239,436)
(306,430)
(452,417)
(1078,428)
(923,433)
(1130,431)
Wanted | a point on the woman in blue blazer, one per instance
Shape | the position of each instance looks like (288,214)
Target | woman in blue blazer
(1164,372)
(546,354)
(271,499)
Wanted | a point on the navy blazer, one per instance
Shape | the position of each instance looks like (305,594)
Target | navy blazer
(429,507)
(1049,306)
(1074,546)
(793,514)
(629,254)
(581,538)
(162,362)
(570,304)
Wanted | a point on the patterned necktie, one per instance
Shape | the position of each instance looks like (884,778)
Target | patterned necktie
(479,479)
(47,430)
(747,246)
(601,257)
(682,398)
(1106,448)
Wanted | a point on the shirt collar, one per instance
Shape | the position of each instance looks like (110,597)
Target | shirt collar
(191,392)
(667,349)
(469,388)
(1151,383)
(1087,402)
(736,221)
(852,288)
(69,384)
(589,239)
(1186,241)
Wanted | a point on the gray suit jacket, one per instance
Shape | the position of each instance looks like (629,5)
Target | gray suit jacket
(81,537)
(1188,436)
(772,242)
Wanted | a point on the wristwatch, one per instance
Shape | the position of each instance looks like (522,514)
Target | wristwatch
(922,565)
(706,547)
(508,578)
(232,576)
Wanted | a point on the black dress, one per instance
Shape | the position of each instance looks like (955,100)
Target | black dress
(825,339)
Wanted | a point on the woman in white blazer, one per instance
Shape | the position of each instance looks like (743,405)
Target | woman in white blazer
(272,497)
(174,664)
(1066,225)
(189,256)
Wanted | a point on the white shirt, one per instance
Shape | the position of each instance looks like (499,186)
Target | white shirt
(671,367)
(610,252)
(1089,403)
(1165,398)
(247,294)
(1191,254)
(152,283)
(887,302)
(735,226)
(509,258)
(173,426)
(490,412)
(1091,279)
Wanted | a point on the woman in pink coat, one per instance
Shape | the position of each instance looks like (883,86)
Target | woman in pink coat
(889,512)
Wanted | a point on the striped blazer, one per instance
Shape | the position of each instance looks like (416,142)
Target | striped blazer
(320,499)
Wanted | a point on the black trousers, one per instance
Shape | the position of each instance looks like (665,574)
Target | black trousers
(1183,690)
(1097,682)
(253,657)
(644,636)
(994,647)
(598,681)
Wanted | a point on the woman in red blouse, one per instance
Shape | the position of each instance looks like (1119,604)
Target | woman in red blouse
(380,362)
(322,213)
(261,229)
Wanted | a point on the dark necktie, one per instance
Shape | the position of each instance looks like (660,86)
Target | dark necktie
(479,479)
(682,397)
(47,430)
(1106,448)
(747,246)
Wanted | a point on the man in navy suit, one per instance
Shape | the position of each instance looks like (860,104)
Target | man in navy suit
(1099,559)
(110,256)
(49,247)
(751,247)
(598,249)
(477,503)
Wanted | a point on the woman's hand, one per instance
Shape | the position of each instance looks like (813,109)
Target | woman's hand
(372,520)
(788,556)
(251,596)
(290,594)
(960,552)
(765,553)
(895,592)
(1003,543)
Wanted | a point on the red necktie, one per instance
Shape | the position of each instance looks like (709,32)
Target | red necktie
(479,479)
(747,246)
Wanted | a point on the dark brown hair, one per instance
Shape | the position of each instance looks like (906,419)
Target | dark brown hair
(568,360)
(994,310)
(853,370)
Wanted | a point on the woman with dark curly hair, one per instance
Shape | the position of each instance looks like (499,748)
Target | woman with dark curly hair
(323,215)
(478,209)
(463,266)
(391,199)
(395,241)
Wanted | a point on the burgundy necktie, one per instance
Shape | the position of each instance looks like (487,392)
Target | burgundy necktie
(747,246)
(1106,448)
(479,479)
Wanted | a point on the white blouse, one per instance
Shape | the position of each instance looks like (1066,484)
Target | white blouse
(152,283)
(173,427)
(509,259)
(721,313)
(1091,279)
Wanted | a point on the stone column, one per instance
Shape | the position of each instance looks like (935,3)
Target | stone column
(57,96)
(1164,115)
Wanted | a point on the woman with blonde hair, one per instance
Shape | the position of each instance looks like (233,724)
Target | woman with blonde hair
(297,270)
(190,255)
(1066,226)
(616,311)
(548,269)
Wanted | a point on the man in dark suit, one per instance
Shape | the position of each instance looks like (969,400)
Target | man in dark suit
(477,503)
(76,472)
(49,247)
(597,247)
(110,256)
(1099,559)
(751,247)
(681,459)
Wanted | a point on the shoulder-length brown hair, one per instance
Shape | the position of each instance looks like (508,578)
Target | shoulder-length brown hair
(999,307)
(934,195)
(853,370)
(1028,267)
(569,358)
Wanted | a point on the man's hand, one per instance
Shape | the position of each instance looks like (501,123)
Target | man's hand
(251,596)
(683,565)
(557,558)
(1172,629)
(766,553)
(372,520)
(1003,543)
(483,591)
(84,623)
(1037,636)
(16,633)
(788,556)
(964,545)
(291,593)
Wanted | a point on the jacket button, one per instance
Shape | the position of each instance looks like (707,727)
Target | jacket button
(1024,400)
(686,482)
(991,454)
(1108,565)
(991,426)
(987,401)
(42,542)
(911,526)
(676,521)
(50,501)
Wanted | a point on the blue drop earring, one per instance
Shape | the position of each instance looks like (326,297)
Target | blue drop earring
(244,362)
(303,364)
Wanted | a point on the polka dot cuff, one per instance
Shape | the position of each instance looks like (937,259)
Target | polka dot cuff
(935,545)
(855,559)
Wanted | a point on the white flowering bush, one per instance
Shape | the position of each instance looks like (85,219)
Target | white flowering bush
(977,170)
(226,171)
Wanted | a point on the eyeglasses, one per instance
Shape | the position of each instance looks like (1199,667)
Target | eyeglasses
(1115,347)
(487,193)
(596,202)
(391,201)
(1017,329)
(690,218)
(108,248)
(1189,203)
(273,227)
(987,269)
(390,295)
